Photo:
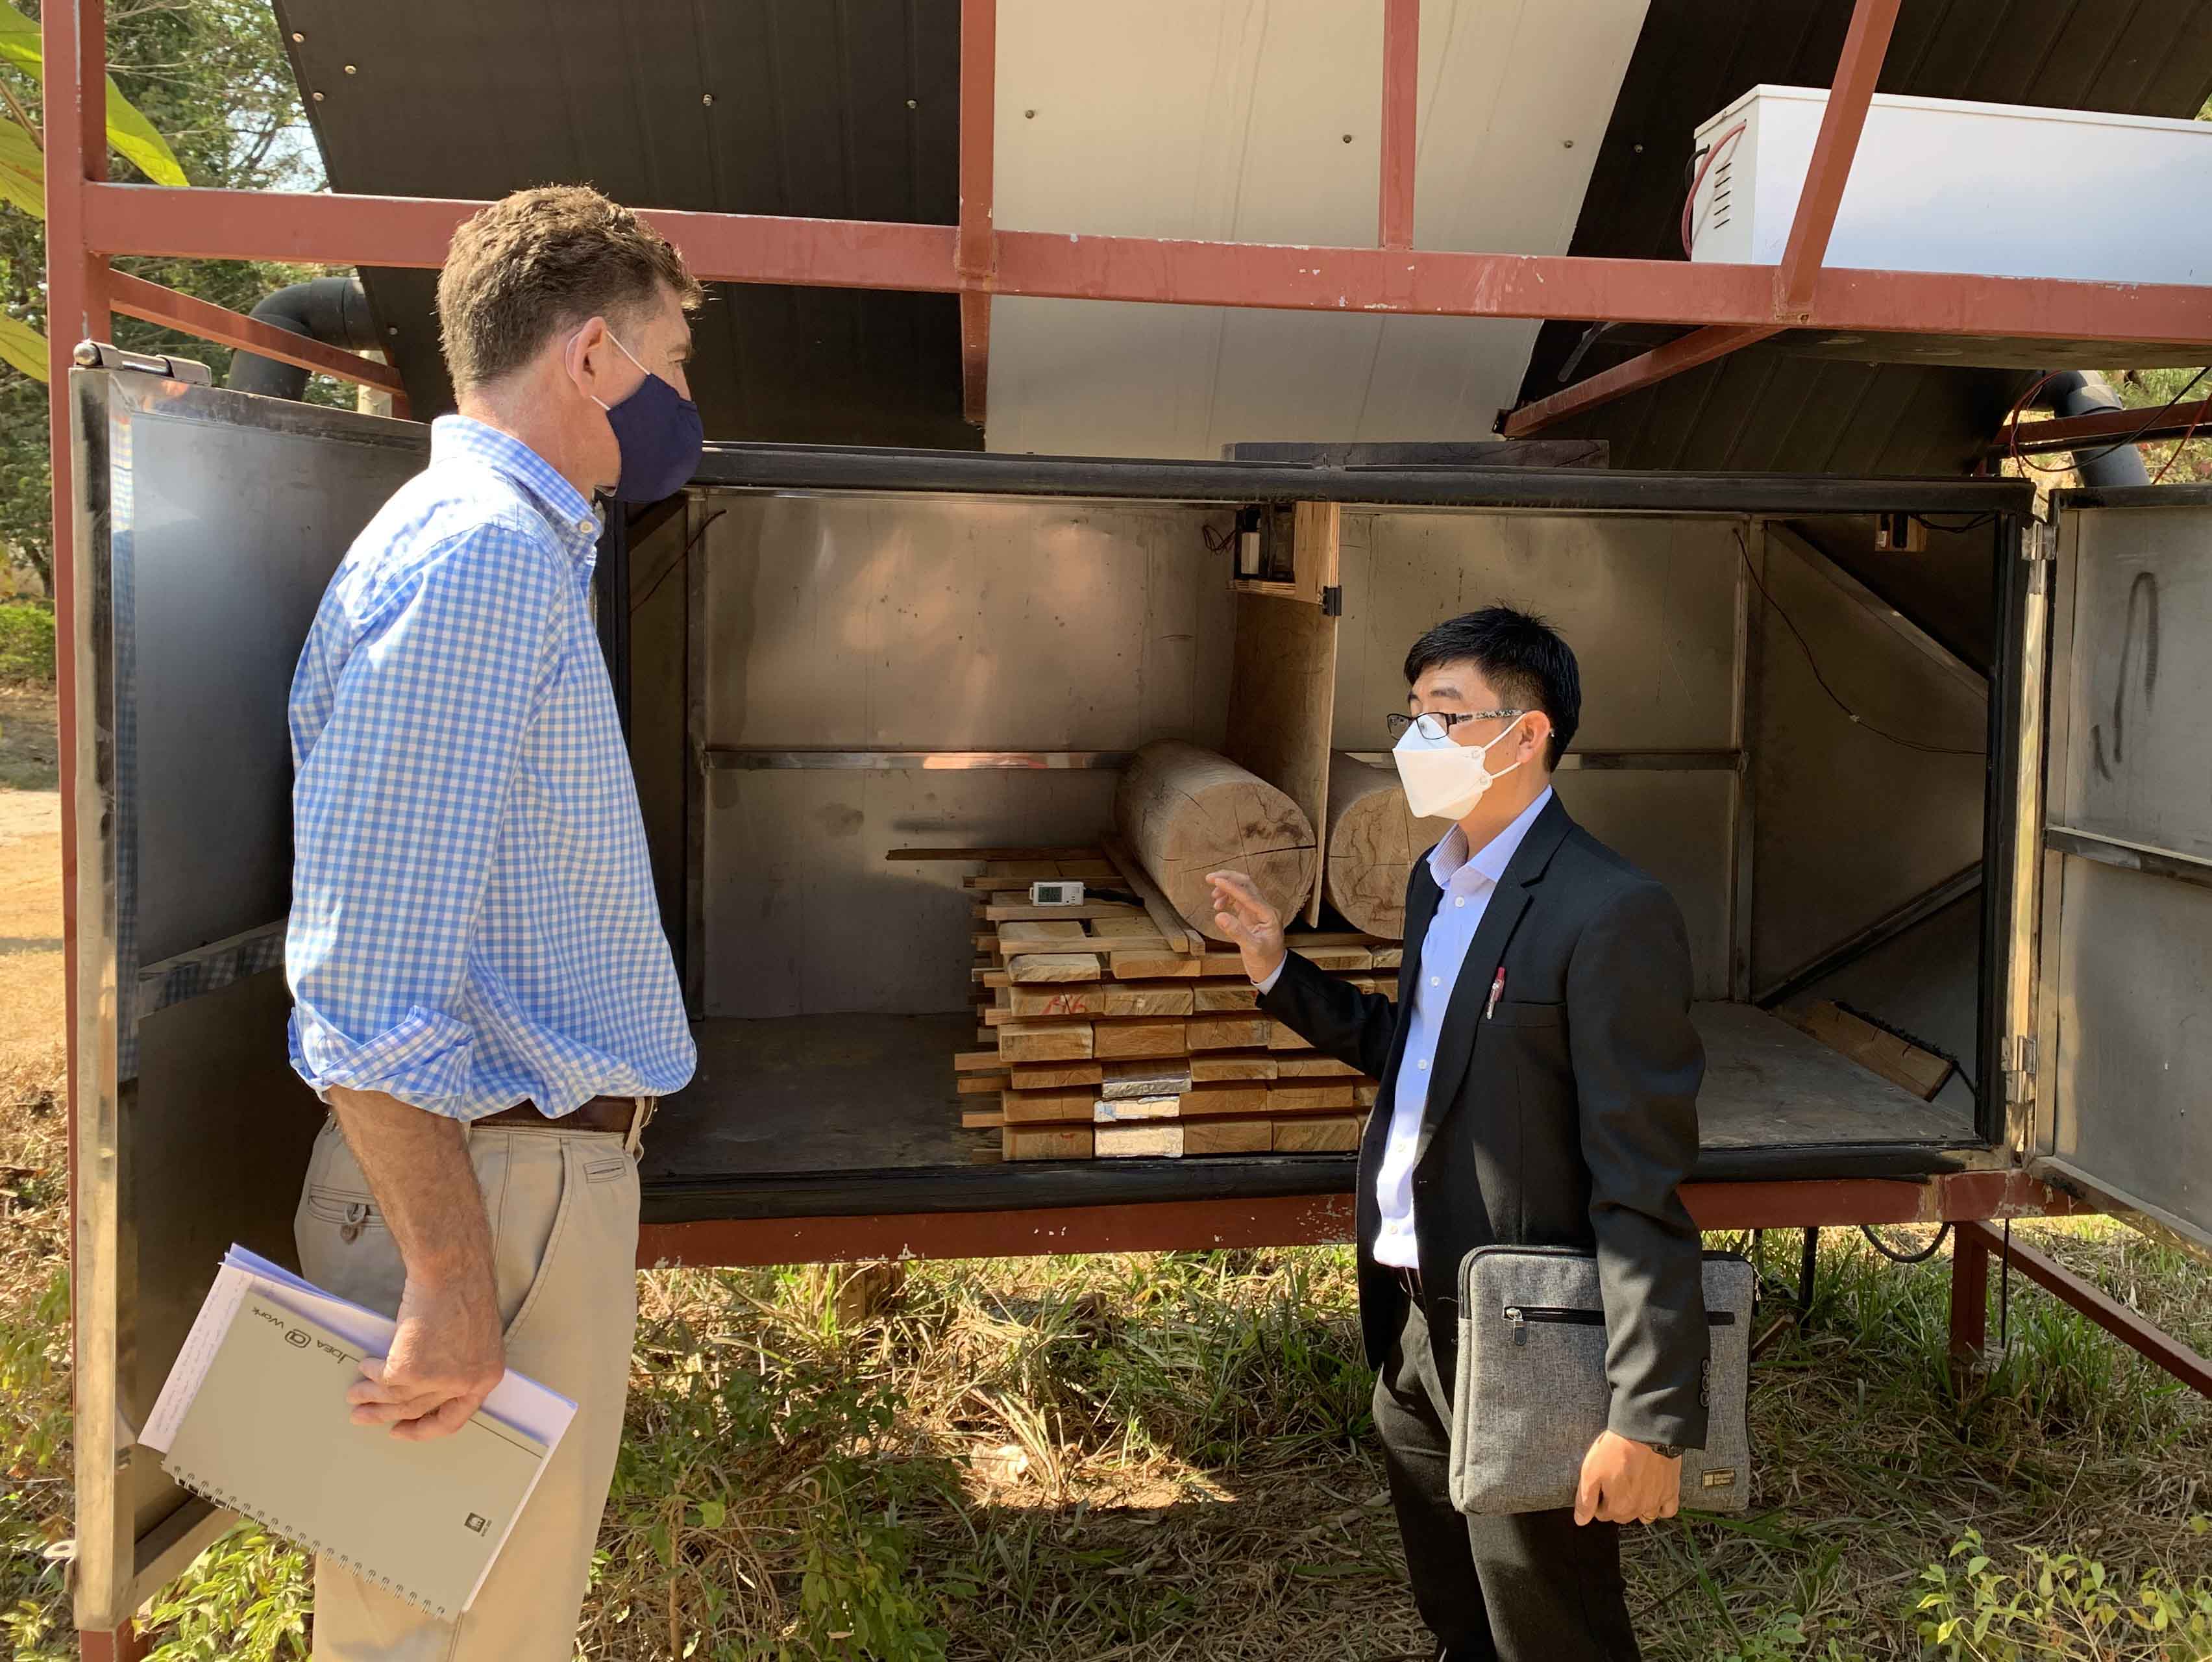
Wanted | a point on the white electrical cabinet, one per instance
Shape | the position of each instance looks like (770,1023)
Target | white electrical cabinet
(1940,186)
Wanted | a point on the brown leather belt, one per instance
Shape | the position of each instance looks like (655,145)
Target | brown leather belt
(611,1114)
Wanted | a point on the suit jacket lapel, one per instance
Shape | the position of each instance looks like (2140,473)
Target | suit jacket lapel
(1471,992)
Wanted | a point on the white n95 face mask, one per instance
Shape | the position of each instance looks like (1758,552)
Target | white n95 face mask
(1445,780)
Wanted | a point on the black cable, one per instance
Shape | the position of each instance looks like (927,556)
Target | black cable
(1911,1038)
(679,560)
(1895,1257)
(1974,522)
(2081,461)
(1813,664)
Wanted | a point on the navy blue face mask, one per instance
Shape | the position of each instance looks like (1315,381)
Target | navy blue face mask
(659,433)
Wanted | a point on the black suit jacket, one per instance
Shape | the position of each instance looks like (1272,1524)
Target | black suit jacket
(1568,1117)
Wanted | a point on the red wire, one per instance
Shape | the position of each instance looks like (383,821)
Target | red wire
(2177,448)
(1712,156)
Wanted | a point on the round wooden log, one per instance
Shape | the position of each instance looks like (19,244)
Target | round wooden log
(1373,841)
(1184,811)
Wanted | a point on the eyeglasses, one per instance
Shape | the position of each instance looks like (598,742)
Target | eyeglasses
(1437,724)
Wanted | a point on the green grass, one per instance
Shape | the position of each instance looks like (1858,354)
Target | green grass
(27,643)
(1169,1456)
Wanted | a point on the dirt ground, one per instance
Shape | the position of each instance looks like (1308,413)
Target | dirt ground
(30,894)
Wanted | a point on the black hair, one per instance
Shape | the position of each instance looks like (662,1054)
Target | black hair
(1519,654)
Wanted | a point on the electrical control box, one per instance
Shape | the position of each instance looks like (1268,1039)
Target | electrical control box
(1939,185)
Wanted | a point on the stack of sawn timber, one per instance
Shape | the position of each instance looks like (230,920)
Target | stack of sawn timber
(1108,1042)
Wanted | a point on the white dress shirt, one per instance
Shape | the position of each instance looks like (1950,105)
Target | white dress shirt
(1466,882)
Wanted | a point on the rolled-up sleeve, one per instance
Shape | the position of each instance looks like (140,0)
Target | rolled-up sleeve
(397,808)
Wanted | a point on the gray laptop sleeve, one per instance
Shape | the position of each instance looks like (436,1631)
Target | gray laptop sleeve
(1531,1394)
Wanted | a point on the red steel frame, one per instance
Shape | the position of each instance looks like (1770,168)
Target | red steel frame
(89,219)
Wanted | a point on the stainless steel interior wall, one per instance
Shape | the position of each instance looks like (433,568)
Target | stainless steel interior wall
(921,624)
(1850,824)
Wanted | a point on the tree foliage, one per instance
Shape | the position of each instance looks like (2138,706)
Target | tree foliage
(210,76)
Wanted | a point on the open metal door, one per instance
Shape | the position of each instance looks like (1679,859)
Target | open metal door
(208,524)
(2123,1102)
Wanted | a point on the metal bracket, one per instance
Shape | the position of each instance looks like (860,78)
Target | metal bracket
(102,355)
(2039,548)
(2018,1059)
(1332,602)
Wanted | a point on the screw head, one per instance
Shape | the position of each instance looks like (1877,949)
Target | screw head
(297,37)
(707,99)
(391,329)
(350,69)
(318,97)
(1639,149)
(1568,144)
(913,104)
(1029,115)
(1347,138)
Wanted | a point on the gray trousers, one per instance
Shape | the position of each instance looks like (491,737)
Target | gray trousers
(1533,1587)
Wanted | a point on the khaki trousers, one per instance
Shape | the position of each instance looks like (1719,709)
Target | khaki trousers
(563,1212)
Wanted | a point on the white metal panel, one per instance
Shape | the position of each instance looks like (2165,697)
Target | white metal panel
(1258,121)
(1941,185)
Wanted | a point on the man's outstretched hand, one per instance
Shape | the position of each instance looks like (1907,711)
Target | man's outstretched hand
(1626,1482)
(1249,921)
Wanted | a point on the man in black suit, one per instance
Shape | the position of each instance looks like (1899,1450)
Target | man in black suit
(1538,1086)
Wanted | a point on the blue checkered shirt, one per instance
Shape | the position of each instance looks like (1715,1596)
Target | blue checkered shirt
(473,921)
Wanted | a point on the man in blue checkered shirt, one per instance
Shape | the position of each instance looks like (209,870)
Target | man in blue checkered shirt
(482,993)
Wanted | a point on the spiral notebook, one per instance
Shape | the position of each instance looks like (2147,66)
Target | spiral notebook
(255,1417)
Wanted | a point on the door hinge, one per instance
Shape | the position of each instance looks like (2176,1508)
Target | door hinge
(99,354)
(2017,1056)
(1332,602)
(2038,541)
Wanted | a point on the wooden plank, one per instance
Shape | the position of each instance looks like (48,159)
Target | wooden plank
(1334,957)
(983,856)
(1227,1136)
(1229,1033)
(1052,967)
(1046,1142)
(1280,1037)
(1315,1066)
(1217,1068)
(1213,997)
(1899,1061)
(1301,1099)
(1155,967)
(1056,1075)
(1219,962)
(1113,1110)
(1178,934)
(1282,690)
(1316,1136)
(973,1085)
(1253,1097)
(1009,912)
(1364,1092)
(1157,1076)
(1162,1037)
(1045,1041)
(978,1119)
(1047,1107)
(1052,936)
(1160,1142)
(1388,957)
(974,1061)
(1146,998)
(1061,999)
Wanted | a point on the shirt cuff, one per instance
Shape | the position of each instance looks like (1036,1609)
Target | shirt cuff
(422,1059)
(1273,976)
